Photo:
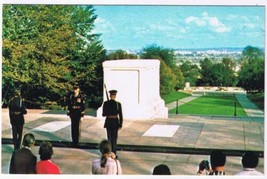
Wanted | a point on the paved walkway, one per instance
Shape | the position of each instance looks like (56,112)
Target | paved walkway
(181,102)
(251,109)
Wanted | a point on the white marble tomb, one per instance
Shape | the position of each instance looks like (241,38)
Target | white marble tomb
(138,86)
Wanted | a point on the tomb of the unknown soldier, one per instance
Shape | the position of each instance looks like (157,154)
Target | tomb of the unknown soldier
(137,83)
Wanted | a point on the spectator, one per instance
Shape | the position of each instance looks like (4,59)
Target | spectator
(250,161)
(161,170)
(23,161)
(108,164)
(217,161)
(204,168)
(46,166)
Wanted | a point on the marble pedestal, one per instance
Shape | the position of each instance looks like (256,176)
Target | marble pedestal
(138,86)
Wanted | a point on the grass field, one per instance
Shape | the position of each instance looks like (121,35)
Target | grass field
(211,105)
(176,95)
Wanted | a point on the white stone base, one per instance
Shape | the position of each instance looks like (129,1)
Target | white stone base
(141,112)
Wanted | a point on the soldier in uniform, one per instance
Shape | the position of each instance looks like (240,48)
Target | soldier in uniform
(76,111)
(113,112)
(16,115)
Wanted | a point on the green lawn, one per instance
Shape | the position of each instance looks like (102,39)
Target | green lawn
(211,105)
(174,96)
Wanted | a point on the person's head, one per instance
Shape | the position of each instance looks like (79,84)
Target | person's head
(161,170)
(105,147)
(113,94)
(250,159)
(217,159)
(28,140)
(76,88)
(17,92)
(45,151)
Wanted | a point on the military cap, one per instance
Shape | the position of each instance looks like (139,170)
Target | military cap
(75,86)
(114,92)
(17,92)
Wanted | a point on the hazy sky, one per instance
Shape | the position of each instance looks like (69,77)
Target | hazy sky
(135,27)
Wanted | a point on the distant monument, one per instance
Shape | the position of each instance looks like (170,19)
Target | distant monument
(138,86)
(187,86)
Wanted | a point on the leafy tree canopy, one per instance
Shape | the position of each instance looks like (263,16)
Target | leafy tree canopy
(190,72)
(46,47)
(251,74)
(121,54)
(170,75)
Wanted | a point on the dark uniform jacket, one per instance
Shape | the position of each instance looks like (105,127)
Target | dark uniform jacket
(113,112)
(16,110)
(23,162)
(76,105)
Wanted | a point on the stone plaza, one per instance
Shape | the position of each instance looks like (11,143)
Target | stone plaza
(181,144)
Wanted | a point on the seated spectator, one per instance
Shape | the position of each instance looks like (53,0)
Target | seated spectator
(161,170)
(217,162)
(108,164)
(46,166)
(204,168)
(250,161)
(23,161)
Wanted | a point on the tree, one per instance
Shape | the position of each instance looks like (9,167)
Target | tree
(121,54)
(45,47)
(167,78)
(218,74)
(229,74)
(157,52)
(190,72)
(205,71)
(251,74)
(89,53)
(170,74)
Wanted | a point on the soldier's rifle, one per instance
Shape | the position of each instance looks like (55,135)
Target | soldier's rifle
(106,91)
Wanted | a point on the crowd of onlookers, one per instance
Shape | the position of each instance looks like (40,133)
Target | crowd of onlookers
(23,161)
(216,166)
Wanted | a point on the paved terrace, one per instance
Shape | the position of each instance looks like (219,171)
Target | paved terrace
(181,141)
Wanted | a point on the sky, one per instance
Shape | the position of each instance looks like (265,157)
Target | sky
(134,27)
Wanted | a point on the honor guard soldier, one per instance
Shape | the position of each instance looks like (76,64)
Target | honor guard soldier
(113,112)
(17,110)
(76,110)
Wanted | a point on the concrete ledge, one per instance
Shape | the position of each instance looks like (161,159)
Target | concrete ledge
(145,148)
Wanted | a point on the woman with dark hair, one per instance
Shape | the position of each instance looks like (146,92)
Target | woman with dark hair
(107,164)
(45,165)
(161,169)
